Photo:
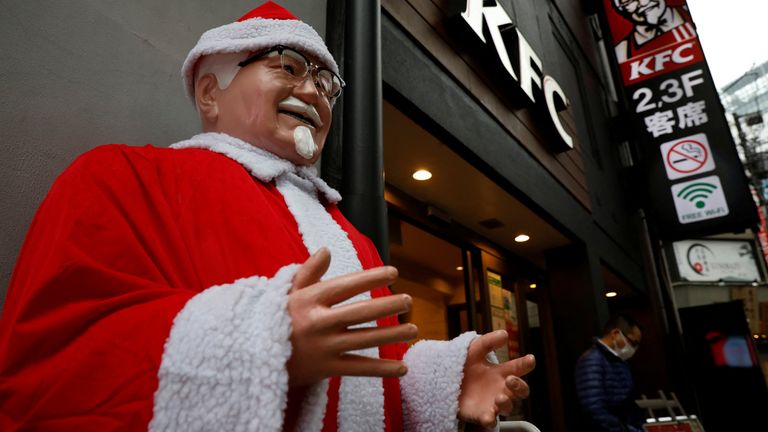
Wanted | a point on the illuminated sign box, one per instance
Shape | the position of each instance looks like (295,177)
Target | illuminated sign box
(715,261)
(694,179)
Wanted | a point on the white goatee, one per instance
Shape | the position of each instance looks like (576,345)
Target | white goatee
(305,145)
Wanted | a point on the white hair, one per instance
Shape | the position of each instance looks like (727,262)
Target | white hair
(223,66)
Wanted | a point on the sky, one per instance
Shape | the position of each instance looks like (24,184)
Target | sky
(733,34)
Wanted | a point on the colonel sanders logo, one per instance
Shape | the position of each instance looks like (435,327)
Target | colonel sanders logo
(651,36)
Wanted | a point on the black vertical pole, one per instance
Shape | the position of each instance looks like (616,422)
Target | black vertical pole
(470,289)
(363,146)
(331,162)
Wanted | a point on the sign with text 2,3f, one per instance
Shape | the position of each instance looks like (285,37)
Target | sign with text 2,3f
(695,181)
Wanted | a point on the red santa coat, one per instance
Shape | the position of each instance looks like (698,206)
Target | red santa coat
(142,262)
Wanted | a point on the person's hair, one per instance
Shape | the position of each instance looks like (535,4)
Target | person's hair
(224,66)
(622,322)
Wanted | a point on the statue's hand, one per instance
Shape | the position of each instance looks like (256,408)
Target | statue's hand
(489,389)
(320,336)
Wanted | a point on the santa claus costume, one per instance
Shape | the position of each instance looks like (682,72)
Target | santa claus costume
(151,291)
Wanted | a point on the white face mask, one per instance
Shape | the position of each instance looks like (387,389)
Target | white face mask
(627,352)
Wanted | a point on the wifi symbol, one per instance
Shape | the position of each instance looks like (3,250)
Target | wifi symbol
(697,192)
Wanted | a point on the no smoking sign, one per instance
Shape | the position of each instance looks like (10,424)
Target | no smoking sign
(687,156)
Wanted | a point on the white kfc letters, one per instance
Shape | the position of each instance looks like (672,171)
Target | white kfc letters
(529,67)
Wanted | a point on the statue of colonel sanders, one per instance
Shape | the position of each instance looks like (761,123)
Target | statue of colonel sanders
(215,286)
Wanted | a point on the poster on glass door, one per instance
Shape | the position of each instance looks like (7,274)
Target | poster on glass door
(503,316)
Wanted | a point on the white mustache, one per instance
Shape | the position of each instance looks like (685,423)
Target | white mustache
(292,103)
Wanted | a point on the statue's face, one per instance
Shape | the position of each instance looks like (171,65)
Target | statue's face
(642,11)
(253,109)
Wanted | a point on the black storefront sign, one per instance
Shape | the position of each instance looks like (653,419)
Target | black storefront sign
(695,181)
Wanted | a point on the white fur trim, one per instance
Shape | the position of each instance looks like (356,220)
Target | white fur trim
(316,226)
(313,408)
(253,35)
(223,367)
(262,164)
(430,390)
(310,173)
(361,399)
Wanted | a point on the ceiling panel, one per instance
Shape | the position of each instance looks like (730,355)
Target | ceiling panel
(466,194)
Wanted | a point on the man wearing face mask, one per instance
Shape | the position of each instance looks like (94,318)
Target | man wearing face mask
(215,285)
(604,384)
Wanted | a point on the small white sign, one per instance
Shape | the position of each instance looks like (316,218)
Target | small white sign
(716,260)
(687,156)
(700,199)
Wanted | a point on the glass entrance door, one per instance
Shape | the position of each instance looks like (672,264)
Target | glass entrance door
(513,305)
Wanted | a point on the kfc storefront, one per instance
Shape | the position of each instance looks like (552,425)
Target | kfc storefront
(505,194)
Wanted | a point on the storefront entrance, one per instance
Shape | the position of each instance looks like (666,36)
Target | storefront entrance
(458,241)
(431,271)
(441,275)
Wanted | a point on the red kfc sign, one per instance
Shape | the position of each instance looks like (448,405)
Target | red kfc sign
(651,37)
(677,124)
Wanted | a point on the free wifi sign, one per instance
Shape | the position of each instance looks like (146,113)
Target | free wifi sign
(699,199)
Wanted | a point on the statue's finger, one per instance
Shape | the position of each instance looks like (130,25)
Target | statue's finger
(373,337)
(517,387)
(504,404)
(355,365)
(486,343)
(312,270)
(519,366)
(369,310)
(488,420)
(338,289)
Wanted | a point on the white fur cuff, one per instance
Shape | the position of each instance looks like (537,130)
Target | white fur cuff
(430,390)
(223,368)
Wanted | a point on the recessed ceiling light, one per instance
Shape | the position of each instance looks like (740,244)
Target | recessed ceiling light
(532,286)
(522,238)
(422,175)
(611,294)
(459,268)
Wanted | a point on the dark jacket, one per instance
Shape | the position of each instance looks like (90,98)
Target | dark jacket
(605,390)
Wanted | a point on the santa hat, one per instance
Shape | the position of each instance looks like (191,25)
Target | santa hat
(264,27)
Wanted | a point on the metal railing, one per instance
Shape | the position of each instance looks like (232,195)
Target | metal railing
(517,426)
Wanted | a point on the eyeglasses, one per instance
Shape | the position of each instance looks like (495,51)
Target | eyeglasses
(634,343)
(297,66)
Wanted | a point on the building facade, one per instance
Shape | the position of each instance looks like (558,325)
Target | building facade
(520,142)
